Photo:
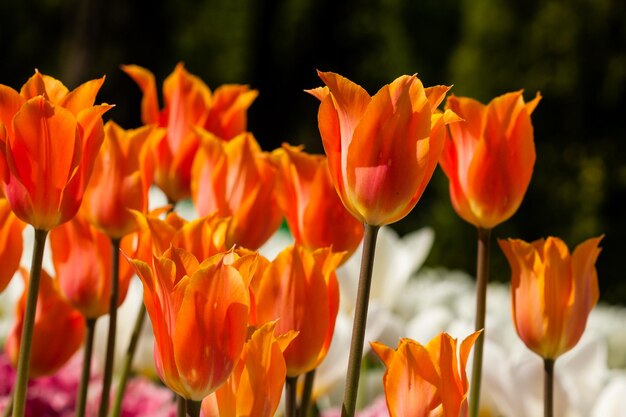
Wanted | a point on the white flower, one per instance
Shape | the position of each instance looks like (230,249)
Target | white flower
(610,402)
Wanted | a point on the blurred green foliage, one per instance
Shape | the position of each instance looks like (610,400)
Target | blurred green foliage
(573,51)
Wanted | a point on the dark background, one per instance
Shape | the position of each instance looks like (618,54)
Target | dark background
(573,51)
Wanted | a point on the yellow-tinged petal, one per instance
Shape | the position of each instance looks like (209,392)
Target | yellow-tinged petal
(552,292)
(410,380)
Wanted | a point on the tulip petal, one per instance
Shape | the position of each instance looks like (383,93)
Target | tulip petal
(149,102)
(383,167)
(82,97)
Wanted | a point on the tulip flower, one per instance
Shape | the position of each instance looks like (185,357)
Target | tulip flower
(256,384)
(188,103)
(121,179)
(236,179)
(10,243)
(426,380)
(297,286)
(382,150)
(228,116)
(489,157)
(187,99)
(314,212)
(50,138)
(58,332)
(81,255)
(202,237)
(552,294)
(199,313)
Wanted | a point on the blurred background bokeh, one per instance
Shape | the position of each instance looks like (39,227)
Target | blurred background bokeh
(572,51)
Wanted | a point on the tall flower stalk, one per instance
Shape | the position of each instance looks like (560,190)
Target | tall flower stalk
(360,321)
(110,347)
(81,398)
(19,396)
(482,279)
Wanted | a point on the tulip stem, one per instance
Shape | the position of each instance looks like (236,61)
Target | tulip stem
(21,382)
(291,383)
(110,353)
(548,388)
(482,278)
(81,399)
(193,408)
(360,320)
(181,406)
(305,401)
(128,361)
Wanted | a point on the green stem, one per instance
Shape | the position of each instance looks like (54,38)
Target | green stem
(21,382)
(181,406)
(110,352)
(193,408)
(548,388)
(360,320)
(128,362)
(81,399)
(482,278)
(291,383)
(305,401)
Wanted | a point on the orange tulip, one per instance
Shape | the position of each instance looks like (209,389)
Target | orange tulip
(300,290)
(188,103)
(187,100)
(552,293)
(202,237)
(489,157)
(382,150)
(256,384)
(236,179)
(228,113)
(121,179)
(11,243)
(314,212)
(58,333)
(49,138)
(199,313)
(426,381)
(81,255)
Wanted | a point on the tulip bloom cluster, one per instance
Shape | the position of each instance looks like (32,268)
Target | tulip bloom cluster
(232,327)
